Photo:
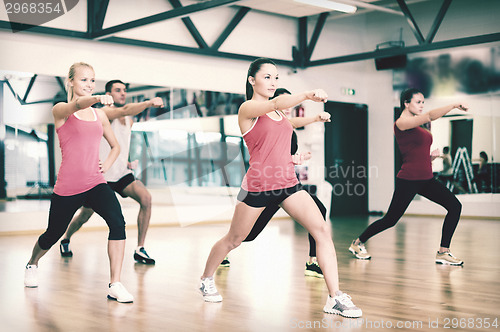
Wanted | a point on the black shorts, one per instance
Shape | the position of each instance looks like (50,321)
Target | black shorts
(121,184)
(118,186)
(265,198)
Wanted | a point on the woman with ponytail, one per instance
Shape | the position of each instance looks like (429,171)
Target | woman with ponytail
(415,177)
(271,180)
(80,178)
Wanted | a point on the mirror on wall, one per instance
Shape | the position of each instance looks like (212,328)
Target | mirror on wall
(470,76)
(472,148)
(189,141)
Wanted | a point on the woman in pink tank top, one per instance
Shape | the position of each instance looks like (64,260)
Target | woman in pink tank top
(80,179)
(271,180)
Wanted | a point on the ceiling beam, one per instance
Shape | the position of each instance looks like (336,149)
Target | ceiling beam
(22,101)
(475,40)
(230,27)
(190,26)
(437,21)
(30,85)
(320,23)
(96,13)
(411,21)
(178,12)
(6,25)
(60,81)
(300,54)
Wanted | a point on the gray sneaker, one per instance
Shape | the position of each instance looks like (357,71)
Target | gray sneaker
(359,251)
(447,258)
(209,291)
(342,305)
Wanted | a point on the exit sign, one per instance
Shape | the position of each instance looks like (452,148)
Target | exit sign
(348,91)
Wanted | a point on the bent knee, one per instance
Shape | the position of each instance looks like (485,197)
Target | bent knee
(146,201)
(84,216)
(456,206)
(117,233)
(234,242)
(321,232)
(117,229)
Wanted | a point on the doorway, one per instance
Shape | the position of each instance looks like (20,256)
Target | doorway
(346,158)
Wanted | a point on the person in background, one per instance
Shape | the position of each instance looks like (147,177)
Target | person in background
(482,177)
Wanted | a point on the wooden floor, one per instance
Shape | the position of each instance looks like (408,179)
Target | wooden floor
(265,288)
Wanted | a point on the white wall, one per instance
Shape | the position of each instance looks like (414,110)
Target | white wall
(261,34)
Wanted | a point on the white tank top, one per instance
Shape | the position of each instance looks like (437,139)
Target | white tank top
(119,168)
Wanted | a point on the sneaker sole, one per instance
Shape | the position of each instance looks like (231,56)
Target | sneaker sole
(444,262)
(142,260)
(336,312)
(313,274)
(209,299)
(224,265)
(115,299)
(356,255)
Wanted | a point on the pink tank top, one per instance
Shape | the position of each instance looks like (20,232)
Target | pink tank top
(79,141)
(271,165)
(415,147)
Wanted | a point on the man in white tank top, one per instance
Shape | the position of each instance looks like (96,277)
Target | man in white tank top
(119,176)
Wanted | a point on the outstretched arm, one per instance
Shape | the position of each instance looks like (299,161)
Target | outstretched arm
(62,111)
(252,108)
(405,123)
(132,108)
(298,122)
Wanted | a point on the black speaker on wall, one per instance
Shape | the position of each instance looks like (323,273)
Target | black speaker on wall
(391,62)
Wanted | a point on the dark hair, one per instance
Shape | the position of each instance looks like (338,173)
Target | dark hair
(109,85)
(446,149)
(407,95)
(483,155)
(252,71)
(281,91)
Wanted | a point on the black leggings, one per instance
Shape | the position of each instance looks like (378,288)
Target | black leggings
(404,193)
(271,210)
(62,208)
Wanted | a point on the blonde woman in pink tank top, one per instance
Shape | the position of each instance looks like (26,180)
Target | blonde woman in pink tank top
(80,178)
(271,180)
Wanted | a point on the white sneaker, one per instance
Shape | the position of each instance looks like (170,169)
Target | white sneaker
(30,276)
(342,305)
(209,291)
(118,293)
